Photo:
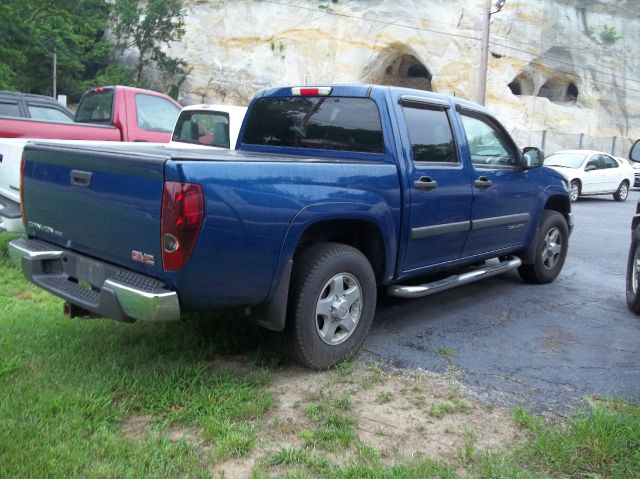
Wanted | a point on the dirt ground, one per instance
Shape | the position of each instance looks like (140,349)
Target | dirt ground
(401,415)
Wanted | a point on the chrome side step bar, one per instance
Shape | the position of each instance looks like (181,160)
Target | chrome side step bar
(420,290)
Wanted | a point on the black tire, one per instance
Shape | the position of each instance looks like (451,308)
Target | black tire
(317,331)
(574,190)
(633,281)
(551,250)
(622,192)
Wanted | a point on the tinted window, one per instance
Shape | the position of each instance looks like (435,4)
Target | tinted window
(47,114)
(487,144)
(204,128)
(9,109)
(430,135)
(609,162)
(329,123)
(595,162)
(96,106)
(155,113)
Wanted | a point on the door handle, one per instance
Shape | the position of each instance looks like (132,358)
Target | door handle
(81,178)
(482,183)
(425,183)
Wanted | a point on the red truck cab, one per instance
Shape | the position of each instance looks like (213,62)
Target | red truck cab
(109,113)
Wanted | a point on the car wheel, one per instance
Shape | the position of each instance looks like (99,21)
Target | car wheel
(574,190)
(622,192)
(332,304)
(551,250)
(633,269)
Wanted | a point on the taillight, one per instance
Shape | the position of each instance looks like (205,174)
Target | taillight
(22,162)
(182,211)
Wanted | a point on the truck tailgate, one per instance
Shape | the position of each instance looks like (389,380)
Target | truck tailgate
(104,203)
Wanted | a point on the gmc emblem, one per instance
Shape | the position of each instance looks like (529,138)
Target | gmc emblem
(142,258)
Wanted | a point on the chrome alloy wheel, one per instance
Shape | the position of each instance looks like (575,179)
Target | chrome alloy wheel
(551,248)
(574,190)
(338,309)
(623,191)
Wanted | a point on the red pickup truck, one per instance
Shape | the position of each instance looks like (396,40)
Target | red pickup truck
(110,113)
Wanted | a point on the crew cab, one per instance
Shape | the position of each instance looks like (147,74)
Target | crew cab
(333,194)
(198,126)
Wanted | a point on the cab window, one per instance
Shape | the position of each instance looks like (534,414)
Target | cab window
(203,128)
(155,113)
(488,146)
(45,113)
(430,134)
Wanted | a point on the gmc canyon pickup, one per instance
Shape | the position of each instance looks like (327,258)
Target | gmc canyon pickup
(332,194)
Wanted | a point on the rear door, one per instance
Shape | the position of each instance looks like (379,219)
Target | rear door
(503,196)
(440,190)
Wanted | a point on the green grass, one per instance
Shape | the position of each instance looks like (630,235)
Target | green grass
(73,391)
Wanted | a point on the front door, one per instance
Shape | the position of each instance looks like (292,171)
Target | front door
(503,195)
(439,187)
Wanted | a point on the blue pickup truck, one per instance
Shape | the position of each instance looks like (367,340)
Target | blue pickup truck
(332,195)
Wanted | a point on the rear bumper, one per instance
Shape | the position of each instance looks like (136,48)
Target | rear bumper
(10,217)
(93,285)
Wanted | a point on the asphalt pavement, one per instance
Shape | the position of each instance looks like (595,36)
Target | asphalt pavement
(545,347)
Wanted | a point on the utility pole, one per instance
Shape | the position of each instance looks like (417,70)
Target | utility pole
(484,47)
(55,73)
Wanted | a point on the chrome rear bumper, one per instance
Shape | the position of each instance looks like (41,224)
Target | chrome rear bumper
(95,286)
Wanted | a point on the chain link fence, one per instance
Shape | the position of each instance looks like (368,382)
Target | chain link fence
(551,141)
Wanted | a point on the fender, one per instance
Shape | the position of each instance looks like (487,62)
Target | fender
(272,314)
(555,196)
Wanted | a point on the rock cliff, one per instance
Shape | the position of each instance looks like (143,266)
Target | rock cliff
(567,66)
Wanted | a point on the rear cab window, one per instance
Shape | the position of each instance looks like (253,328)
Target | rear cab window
(209,128)
(96,106)
(322,123)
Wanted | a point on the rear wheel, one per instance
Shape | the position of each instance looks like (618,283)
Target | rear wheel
(574,190)
(622,192)
(332,304)
(551,250)
(633,269)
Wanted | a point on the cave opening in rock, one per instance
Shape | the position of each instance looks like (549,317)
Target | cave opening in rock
(522,84)
(404,70)
(559,90)
(515,87)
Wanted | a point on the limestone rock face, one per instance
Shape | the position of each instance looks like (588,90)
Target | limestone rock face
(567,66)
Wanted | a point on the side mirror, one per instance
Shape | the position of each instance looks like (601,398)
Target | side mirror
(590,168)
(634,154)
(533,157)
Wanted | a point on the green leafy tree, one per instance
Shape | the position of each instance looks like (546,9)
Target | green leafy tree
(148,27)
(32,30)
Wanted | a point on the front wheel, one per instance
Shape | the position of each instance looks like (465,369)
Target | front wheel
(551,250)
(633,269)
(622,192)
(332,304)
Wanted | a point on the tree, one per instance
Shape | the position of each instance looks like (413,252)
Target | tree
(148,28)
(30,32)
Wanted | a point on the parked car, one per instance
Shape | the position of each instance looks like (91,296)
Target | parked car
(592,172)
(198,126)
(332,193)
(633,261)
(35,107)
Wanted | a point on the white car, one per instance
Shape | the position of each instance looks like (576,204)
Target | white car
(590,172)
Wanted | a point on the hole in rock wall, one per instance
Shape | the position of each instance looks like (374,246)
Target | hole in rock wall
(522,85)
(403,70)
(559,90)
